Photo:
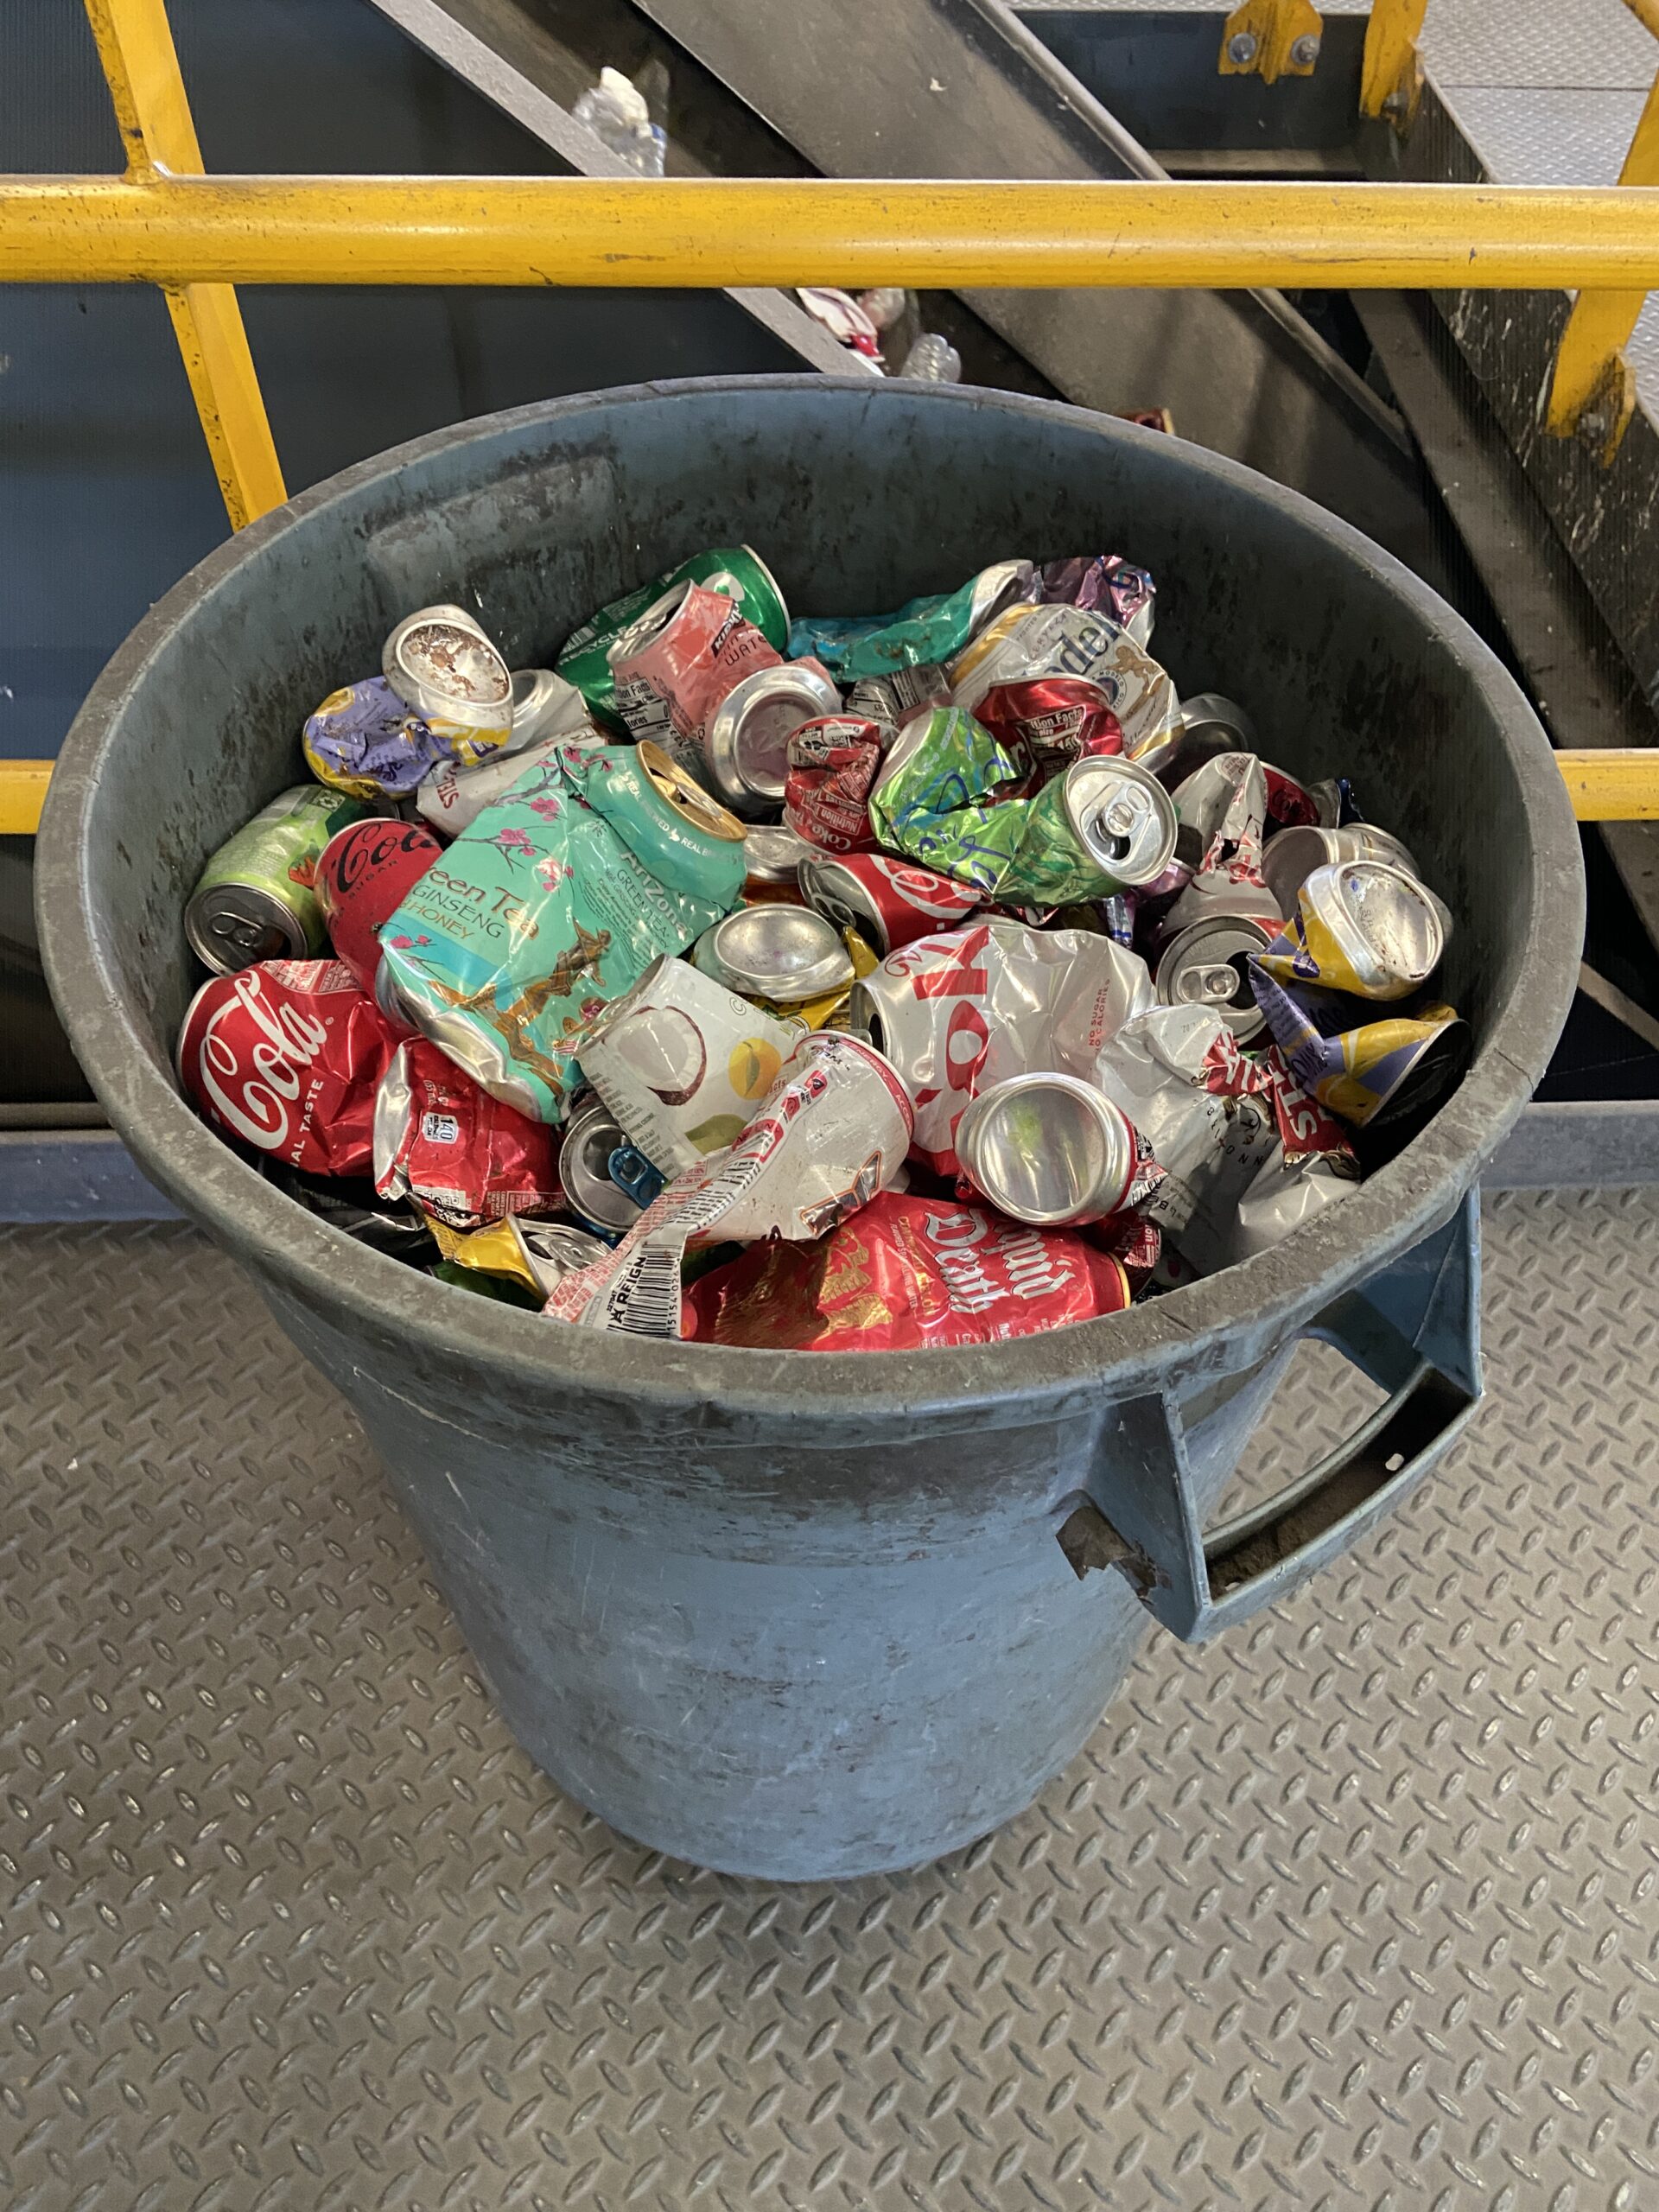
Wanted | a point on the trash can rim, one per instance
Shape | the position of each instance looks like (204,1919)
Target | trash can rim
(1216,1326)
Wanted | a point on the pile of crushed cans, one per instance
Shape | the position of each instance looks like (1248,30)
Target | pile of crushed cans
(926,979)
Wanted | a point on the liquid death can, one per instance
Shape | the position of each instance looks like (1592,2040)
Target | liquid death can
(891,902)
(256,899)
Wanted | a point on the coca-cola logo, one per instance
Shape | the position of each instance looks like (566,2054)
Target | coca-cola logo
(363,850)
(255,1102)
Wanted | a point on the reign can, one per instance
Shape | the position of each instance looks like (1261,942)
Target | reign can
(256,899)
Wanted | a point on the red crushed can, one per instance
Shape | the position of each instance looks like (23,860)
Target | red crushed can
(361,880)
(674,665)
(442,1140)
(833,764)
(891,902)
(1052,720)
(287,1056)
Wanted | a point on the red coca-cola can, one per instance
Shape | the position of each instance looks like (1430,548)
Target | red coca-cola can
(676,664)
(362,876)
(457,1152)
(889,902)
(1052,720)
(287,1056)
(833,765)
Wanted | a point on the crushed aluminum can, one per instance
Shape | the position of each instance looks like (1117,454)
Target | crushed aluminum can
(363,875)
(737,572)
(674,665)
(935,627)
(1312,1167)
(832,1134)
(460,1154)
(592,1139)
(891,699)
(365,740)
(544,705)
(956,1013)
(1289,858)
(286,1058)
(1028,642)
(1048,1149)
(442,663)
(889,901)
(534,1253)
(352,1204)
(949,797)
(1222,807)
(1053,720)
(1207,964)
(557,899)
(1104,580)
(683,1064)
(904,1273)
(1373,1071)
(747,744)
(1363,927)
(1208,725)
(1291,805)
(833,761)
(1207,1114)
(452,798)
(772,853)
(256,899)
(786,954)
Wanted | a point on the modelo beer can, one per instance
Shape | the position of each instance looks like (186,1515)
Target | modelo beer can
(1048,1149)
(256,899)
(674,666)
(1360,926)
(287,1058)
(1290,858)
(683,1064)
(890,902)
(364,873)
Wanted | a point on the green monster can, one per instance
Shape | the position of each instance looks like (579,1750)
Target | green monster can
(736,570)
(255,900)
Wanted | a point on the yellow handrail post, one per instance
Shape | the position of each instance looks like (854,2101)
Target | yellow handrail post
(141,65)
(1593,393)
(1391,80)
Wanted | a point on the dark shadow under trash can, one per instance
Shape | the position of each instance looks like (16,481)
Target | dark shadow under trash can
(805,1615)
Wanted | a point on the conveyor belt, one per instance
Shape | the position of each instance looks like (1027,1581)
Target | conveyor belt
(1353,1909)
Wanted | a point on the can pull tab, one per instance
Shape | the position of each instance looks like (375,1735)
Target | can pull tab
(1116,823)
(632,1172)
(1214,984)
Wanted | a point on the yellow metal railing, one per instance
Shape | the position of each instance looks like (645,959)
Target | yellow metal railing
(163,222)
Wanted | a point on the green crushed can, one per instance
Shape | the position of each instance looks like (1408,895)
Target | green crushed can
(255,900)
(737,571)
(950,799)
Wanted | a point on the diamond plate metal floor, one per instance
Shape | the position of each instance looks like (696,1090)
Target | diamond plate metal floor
(1358,1908)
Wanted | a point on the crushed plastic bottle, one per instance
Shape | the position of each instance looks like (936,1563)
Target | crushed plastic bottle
(615,111)
(933,359)
(884,304)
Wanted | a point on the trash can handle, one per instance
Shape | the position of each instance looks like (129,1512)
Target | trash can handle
(1414,1329)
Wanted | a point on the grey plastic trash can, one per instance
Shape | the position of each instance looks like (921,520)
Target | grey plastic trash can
(798,1615)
